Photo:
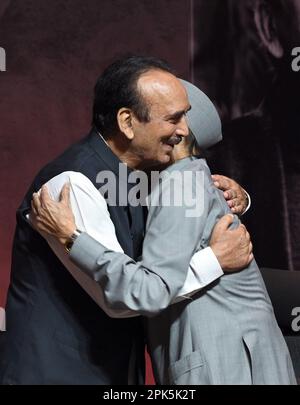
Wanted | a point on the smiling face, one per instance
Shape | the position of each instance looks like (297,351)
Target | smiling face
(153,142)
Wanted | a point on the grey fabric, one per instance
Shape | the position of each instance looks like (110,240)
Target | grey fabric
(203,118)
(230,327)
(146,287)
(226,334)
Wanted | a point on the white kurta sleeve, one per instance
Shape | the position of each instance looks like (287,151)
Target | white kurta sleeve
(92,216)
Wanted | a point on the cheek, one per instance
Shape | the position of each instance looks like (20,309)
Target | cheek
(146,144)
(149,138)
(163,132)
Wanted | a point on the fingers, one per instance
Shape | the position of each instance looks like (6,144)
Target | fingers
(231,195)
(234,194)
(236,202)
(237,206)
(248,238)
(215,178)
(233,198)
(235,210)
(65,195)
(238,210)
(250,248)
(242,228)
(245,241)
(221,182)
(241,234)
(43,199)
(35,219)
(224,223)
(36,203)
(246,245)
(44,196)
(33,208)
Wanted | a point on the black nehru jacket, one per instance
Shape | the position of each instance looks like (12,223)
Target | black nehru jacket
(56,334)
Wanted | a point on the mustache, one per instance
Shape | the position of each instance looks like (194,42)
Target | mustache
(173,140)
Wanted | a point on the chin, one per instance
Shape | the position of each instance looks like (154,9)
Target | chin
(165,159)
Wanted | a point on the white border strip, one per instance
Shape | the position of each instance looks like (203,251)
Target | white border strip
(2,320)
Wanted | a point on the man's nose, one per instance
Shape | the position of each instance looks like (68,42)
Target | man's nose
(182,128)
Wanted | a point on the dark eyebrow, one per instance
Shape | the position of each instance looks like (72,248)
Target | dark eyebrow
(177,115)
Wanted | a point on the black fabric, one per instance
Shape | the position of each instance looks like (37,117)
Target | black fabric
(252,153)
(283,288)
(56,334)
(293,342)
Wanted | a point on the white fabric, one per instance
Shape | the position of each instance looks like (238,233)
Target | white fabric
(92,216)
(249,203)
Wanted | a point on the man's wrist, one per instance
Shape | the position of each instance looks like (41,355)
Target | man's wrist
(70,241)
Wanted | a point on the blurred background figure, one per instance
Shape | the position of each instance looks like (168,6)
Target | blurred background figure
(243,59)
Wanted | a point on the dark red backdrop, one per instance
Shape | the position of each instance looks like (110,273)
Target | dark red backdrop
(55,50)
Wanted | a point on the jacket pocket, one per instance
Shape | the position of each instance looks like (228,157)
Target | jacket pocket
(190,370)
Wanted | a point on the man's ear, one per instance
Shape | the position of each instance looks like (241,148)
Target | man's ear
(124,118)
(267,29)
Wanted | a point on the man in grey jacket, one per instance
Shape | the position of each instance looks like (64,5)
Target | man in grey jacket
(138,117)
(226,334)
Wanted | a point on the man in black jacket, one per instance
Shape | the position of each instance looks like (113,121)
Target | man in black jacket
(56,334)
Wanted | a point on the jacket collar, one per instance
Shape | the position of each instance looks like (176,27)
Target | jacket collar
(111,160)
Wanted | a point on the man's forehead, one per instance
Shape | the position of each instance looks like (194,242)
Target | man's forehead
(159,87)
(159,82)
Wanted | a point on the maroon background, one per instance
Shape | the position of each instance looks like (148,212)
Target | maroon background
(55,51)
